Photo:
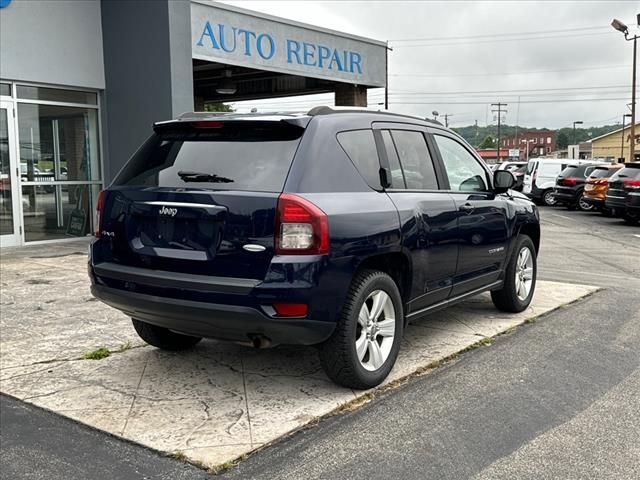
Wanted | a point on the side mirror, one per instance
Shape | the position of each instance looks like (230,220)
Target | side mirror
(503,180)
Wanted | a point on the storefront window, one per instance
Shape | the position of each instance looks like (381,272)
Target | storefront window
(5,90)
(59,168)
(27,92)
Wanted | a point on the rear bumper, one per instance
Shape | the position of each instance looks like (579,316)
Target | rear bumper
(632,202)
(617,202)
(566,196)
(203,319)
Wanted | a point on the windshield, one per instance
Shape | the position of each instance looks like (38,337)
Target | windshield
(253,156)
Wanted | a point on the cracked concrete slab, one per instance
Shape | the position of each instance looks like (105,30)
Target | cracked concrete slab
(212,404)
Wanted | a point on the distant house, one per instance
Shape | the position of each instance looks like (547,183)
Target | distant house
(616,144)
(540,143)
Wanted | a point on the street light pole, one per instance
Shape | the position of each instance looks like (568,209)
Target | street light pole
(621,27)
(579,122)
(624,116)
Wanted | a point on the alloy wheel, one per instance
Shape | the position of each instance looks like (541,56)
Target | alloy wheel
(376,330)
(524,273)
(584,206)
(549,199)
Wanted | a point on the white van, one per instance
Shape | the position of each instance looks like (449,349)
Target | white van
(540,177)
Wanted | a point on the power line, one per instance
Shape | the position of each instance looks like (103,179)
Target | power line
(609,67)
(597,87)
(504,34)
(545,37)
(524,101)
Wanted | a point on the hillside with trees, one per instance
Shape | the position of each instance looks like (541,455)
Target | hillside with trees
(483,136)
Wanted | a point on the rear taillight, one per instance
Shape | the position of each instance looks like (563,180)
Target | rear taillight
(569,181)
(301,227)
(631,183)
(99,208)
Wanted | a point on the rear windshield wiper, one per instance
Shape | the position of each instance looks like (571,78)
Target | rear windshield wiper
(202,177)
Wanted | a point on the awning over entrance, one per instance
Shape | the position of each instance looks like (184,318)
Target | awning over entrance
(240,55)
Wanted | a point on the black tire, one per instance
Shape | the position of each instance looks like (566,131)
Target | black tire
(163,338)
(548,198)
(506,299)
(631,219)
(338,355)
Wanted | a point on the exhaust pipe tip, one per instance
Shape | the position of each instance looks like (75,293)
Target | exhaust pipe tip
(260,341)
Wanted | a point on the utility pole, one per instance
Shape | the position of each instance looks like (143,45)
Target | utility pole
(499,111)
(446,119)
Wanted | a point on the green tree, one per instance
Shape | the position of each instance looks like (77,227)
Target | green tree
(562,141)
(217,107)
(488,142)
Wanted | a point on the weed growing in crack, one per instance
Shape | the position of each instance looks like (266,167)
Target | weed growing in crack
(97,354)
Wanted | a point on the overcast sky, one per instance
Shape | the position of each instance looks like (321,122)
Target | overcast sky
(540,48)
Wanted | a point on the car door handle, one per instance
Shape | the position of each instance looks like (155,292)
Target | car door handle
(467,208)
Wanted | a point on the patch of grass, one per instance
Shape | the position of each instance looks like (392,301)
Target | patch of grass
(97,354)
(223,466)
(178,455)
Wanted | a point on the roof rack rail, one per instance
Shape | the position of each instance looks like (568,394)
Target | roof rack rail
(326,110)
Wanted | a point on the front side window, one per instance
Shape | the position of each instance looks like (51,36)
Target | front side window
(464,172)
(419,173)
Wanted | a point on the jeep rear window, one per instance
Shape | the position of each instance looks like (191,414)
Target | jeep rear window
(600,172)
(629,172)
(242,155)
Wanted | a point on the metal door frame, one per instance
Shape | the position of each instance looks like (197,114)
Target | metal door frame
(17,237)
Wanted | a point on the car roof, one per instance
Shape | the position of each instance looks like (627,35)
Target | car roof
(300,117)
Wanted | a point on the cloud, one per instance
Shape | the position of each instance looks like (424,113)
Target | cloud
(519,50)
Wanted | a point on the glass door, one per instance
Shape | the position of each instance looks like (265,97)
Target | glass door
(10,234)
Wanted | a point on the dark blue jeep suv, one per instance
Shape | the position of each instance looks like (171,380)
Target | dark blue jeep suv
(334,227)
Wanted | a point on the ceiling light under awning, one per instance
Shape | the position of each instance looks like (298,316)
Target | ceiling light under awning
(227,86)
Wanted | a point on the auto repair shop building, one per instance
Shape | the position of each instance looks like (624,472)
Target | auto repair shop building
(82,81)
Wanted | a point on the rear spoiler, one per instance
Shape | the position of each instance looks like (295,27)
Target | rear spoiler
(193,117)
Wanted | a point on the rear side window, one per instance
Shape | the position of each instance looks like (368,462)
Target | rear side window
(360,147)
(248,156)
(417,165)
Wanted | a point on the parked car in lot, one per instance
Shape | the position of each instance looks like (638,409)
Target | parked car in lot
(622,195)
(333,228)
(540,178)
(570,185)
(597,184)
(541,174)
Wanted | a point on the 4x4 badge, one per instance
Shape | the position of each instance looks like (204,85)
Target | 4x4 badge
(168,211)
